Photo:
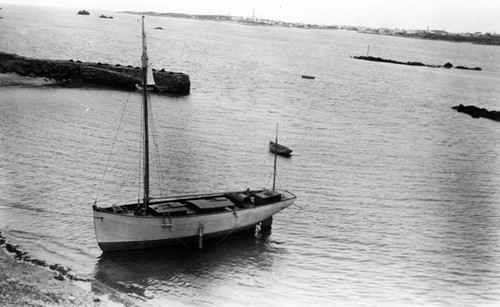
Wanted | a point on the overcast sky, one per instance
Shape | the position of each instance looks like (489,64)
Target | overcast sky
(449,15)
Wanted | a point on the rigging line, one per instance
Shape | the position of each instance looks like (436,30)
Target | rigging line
(112,148)
(277,178)
(159,166)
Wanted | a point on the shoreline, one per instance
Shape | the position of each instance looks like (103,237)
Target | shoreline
(25,281)
(12,79)
(487,39)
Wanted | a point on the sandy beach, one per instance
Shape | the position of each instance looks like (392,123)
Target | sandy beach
(30,282)
(10,79)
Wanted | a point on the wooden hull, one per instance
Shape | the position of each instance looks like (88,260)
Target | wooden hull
(279,149)
(119,231)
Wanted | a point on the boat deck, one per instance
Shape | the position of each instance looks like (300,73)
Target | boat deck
(202,204)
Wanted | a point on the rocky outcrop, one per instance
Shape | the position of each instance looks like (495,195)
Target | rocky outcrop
(376,59)
(83,12)
(476,112)
(115,76)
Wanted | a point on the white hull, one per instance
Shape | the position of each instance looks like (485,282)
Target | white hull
(119,231)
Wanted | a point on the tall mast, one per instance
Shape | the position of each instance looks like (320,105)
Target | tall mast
(275,158)
(145,115)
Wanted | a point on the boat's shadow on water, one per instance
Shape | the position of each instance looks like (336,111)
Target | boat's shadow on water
(135,272)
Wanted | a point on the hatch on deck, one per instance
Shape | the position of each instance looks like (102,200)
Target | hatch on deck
(211,204)
(171,208)
(266,197)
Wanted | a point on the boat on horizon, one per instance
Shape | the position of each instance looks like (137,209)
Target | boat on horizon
(182,220)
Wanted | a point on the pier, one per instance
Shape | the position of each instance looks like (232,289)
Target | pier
(114,76)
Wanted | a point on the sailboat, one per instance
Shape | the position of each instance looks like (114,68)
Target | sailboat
(279,149)
(175,220)
(151,85)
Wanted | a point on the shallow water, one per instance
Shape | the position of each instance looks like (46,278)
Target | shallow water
(398,193)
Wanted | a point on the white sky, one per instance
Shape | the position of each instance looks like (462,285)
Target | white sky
(450,15)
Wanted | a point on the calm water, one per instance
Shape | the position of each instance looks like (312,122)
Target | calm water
(398,194)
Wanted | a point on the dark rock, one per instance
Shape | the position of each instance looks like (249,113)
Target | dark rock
(410,63)
(476,112)
(59,268)
(468,68)
(415,64)
(39,262)
(83,12)
(158,28)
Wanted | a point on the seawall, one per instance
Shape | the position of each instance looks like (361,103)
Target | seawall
(477,112)
(115,76)
(447,65)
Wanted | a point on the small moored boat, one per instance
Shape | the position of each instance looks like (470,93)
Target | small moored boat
(279,149)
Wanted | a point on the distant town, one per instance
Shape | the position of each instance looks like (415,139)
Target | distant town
(475,38)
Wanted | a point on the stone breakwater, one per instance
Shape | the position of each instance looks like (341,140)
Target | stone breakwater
(116,76)
(476,112)
(381,60)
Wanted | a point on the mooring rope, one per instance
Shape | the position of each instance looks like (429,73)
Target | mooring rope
(227,235)
(179,239)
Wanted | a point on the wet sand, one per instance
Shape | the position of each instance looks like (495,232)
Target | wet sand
(10,79)
(23,282)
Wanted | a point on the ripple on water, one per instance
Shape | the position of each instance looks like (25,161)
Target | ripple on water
(399,192)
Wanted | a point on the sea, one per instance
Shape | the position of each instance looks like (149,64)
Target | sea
(398,194)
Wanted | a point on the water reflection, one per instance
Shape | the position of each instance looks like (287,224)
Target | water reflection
(188,271)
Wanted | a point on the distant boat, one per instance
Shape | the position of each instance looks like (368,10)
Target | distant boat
(178,220)
(308,77)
